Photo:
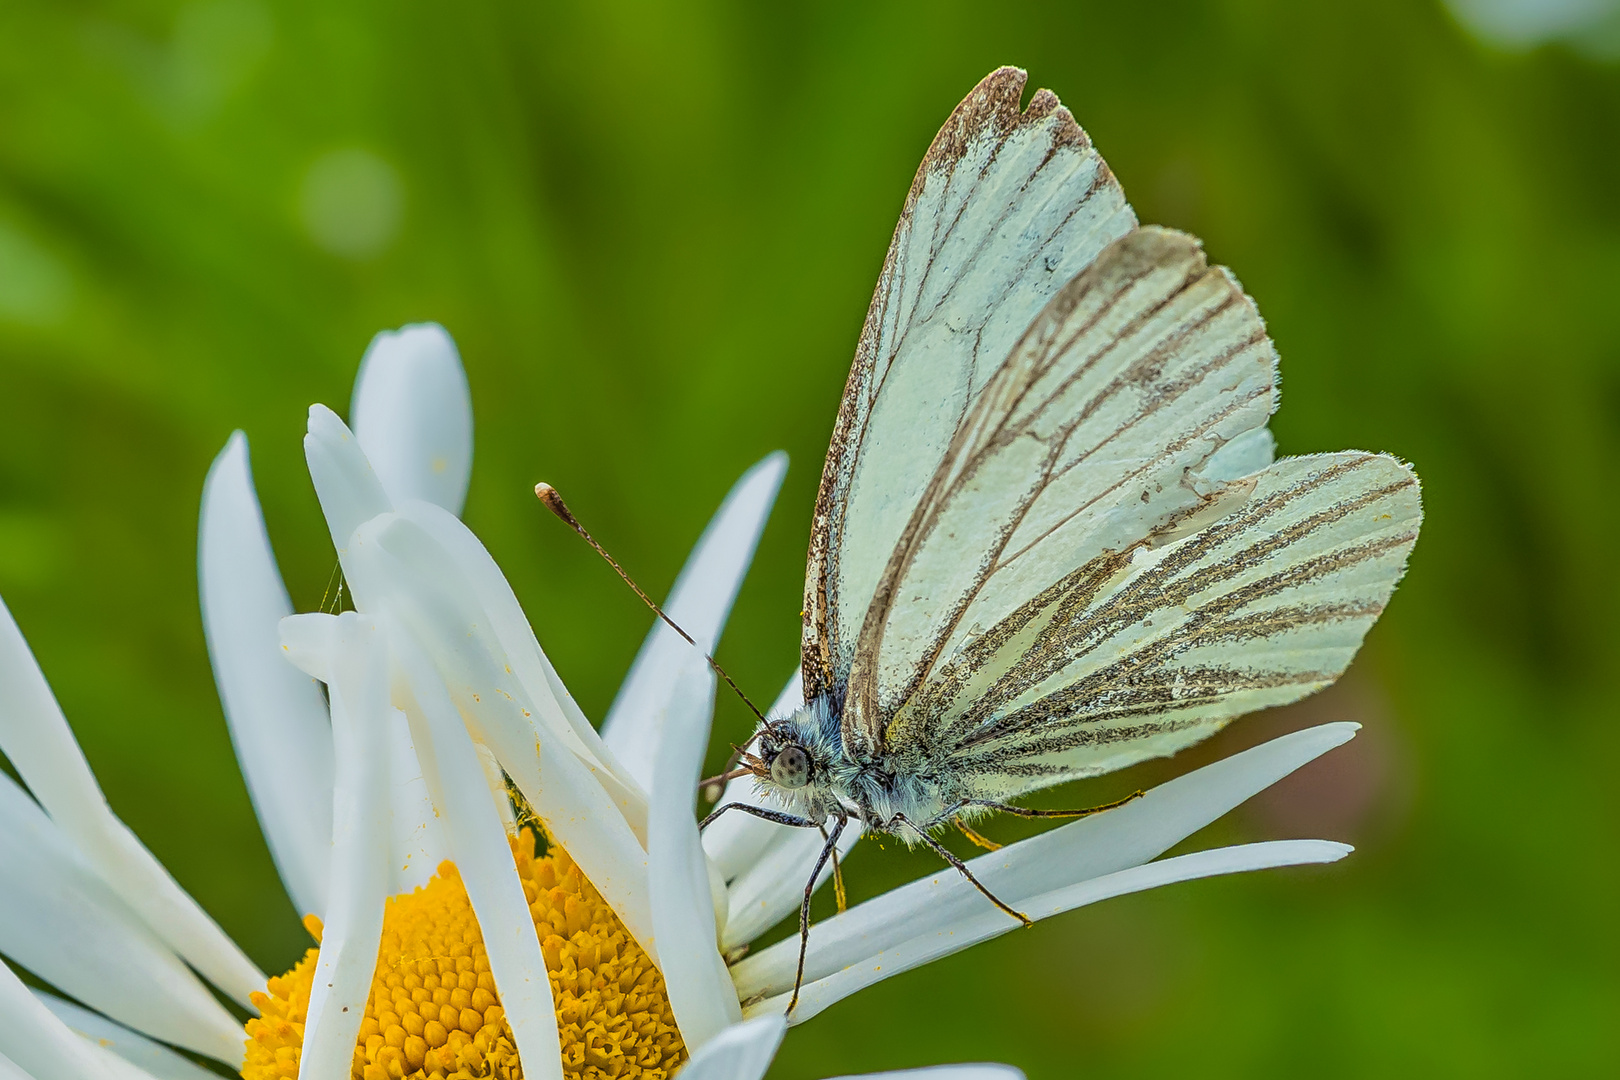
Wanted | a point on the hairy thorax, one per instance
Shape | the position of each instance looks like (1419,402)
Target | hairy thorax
(882,791)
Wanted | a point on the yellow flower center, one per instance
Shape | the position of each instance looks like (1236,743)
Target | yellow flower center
(434,1011)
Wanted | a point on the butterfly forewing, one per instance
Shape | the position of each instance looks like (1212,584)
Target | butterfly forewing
(1008,205)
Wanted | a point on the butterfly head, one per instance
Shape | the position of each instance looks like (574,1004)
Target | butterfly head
(798,762)
(787,758)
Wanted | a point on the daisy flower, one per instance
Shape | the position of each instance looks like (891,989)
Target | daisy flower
(450,946)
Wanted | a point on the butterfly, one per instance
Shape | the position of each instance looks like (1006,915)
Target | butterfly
(1051,539)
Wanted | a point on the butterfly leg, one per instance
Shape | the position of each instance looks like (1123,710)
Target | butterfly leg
(977,837)
(760,812)
(945,853)
(827,849)
(1026,812)
(838,876)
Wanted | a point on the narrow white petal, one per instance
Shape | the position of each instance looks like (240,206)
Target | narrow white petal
(35,736)
(1088,848)
(479,846)
(359,851)
(738,841)
(975,1071)
(430,597)
(513,639)
(277,717)
(740,1052)
(700,989)
(773,888)
(699,603)
(155,1058)
(62,921)
(44,1048)
(111,1066)
(10,1070)
(933,943)
(628,798)
(496,779)
(348,488)
(417,845)
(307,641)
(412,412)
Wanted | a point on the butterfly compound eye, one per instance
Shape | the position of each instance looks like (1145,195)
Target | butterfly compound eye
(791,768)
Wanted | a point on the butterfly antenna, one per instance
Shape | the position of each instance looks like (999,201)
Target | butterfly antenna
(554,502)
(711,787)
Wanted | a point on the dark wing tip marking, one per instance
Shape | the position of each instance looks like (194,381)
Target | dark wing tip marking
(993,103)
(997,102)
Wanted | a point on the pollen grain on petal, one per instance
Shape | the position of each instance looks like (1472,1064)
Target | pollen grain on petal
(435,1013)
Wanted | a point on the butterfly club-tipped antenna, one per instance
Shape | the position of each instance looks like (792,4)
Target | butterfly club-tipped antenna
(750,765)
(554,502)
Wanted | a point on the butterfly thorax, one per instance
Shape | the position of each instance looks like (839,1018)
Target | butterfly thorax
(875,789)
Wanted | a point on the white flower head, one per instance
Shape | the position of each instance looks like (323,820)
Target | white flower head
(437,696)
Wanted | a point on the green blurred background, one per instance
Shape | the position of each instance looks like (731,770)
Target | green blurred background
(654,235)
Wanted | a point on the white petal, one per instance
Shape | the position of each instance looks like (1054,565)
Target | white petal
(60,920)
(307,642)
(934,943)
(111,1066)
(741,1052)
(773,888)
(975,1071)
(1088,848)
(699,603)
(738,841)
(427,593)
(44,1048)
(277,717)
(35,736)
(359,851)
(412,412)
(155,1058)
(478,843)
(490,594)
(700,989)
(349,490)
(417,844)
(10,1070)
(495,777)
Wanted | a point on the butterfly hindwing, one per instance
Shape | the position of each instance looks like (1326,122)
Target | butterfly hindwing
(1008,205)
(1090,441)
(1259,608)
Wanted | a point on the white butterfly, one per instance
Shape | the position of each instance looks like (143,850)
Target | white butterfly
(1051,540)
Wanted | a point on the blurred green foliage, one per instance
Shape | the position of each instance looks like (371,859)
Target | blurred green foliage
(653,229)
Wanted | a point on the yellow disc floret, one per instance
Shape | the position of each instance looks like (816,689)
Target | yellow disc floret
(435,1012)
